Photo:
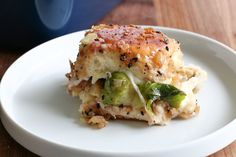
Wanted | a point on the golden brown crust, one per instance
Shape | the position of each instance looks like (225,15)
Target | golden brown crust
(148,53)
(136,37)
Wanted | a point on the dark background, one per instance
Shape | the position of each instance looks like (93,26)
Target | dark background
(22,28)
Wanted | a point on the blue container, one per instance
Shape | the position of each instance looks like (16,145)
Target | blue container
(25,24)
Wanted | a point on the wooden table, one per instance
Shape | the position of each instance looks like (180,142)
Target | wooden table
(213,18)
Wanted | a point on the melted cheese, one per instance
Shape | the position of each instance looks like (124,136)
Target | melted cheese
(134,80)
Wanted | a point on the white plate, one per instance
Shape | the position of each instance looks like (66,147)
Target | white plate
(40,115)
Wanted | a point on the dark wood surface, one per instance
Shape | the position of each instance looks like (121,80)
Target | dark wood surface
(213,18)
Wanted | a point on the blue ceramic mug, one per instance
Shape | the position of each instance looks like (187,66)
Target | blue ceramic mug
(25,24)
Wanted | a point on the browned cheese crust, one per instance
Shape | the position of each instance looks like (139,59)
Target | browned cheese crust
(147,53)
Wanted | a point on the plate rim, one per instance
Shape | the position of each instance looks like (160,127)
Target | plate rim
(5,117)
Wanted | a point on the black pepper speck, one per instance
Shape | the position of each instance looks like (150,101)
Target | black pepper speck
(98,105)
(167,48)
(159,72)
(121,106)
(123,57)
(142,113)
(129,65)
(135,59)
